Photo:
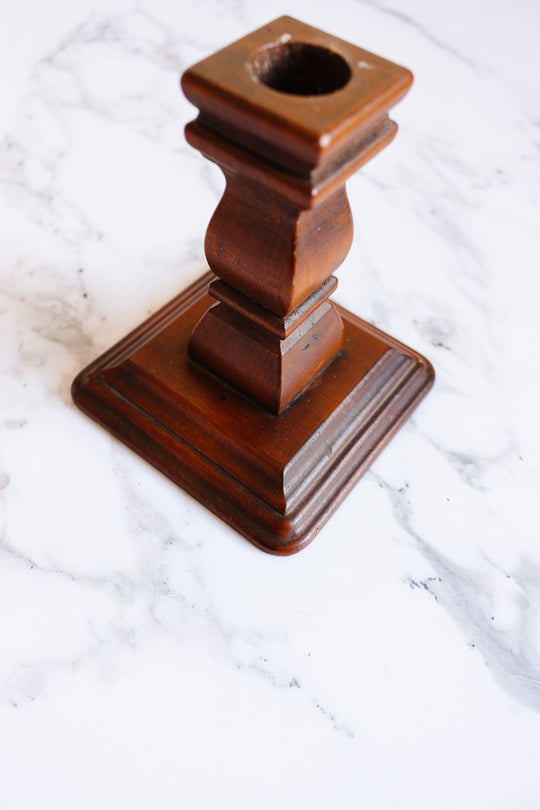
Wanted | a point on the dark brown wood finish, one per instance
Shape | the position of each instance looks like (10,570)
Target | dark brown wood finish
(251,389)
(284,223)
(276,479)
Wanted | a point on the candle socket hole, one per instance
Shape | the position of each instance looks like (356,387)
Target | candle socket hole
(300,69)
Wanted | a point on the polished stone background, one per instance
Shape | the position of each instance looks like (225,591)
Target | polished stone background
(150,657)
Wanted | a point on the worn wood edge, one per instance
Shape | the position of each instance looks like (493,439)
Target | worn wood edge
(222,104)
(305,193)
(218,490)
(346,424)
(342,479)
(259,523)
(279,326)
(144,331)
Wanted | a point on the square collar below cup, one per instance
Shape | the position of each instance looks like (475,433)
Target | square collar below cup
(234,93)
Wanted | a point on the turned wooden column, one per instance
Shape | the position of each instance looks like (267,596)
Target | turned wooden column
(273,329)
(277,114)
(251,389)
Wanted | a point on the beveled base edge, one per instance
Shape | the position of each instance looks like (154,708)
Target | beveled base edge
(200,472)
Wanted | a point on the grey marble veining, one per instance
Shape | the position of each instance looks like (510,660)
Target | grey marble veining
(150,656)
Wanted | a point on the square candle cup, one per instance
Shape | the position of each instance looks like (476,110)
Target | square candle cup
(299,97)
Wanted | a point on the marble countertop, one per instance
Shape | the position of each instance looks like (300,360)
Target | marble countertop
(150,657)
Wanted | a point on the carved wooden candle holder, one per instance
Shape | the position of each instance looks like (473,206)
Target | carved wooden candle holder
(252,390)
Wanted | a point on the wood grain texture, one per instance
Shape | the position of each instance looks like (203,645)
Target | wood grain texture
(251,389)
(289,129)
(275,479)
(266,241)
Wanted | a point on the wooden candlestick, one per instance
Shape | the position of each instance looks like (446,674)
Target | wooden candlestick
(251,389)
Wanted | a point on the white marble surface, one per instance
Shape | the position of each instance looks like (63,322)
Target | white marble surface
(149,656)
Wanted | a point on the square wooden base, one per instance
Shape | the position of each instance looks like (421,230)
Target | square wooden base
(275,479)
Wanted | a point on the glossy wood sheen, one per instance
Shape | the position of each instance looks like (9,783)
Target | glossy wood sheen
(296,132)
(266,102)
(275,479)
(251,389)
